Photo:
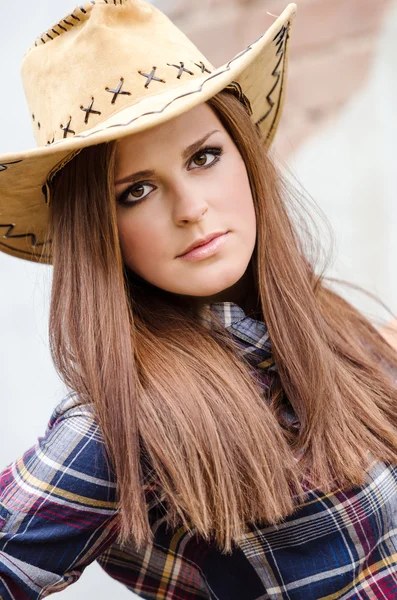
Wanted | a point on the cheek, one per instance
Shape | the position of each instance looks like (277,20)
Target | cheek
(138,241)
(237,197)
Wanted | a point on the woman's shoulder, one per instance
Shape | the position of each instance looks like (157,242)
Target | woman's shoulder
(73,435)
(74,426)
(58,505)
(71,406)
(69,463)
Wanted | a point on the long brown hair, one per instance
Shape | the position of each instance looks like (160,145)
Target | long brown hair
(178,408)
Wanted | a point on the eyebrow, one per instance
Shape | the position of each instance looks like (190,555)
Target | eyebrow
(192,149)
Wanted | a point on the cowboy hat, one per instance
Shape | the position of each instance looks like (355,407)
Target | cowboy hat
(109,69)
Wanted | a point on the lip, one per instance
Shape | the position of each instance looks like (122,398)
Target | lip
(201,242)
(208,247)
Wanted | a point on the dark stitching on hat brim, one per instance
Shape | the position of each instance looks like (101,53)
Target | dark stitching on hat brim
(17,251)
(4,166)
(280,75)
(33,237)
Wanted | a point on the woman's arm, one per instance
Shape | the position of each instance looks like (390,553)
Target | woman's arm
(58,511)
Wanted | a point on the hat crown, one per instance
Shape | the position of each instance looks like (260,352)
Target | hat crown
(102,58)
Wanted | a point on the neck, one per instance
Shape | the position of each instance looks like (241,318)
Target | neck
(243,293)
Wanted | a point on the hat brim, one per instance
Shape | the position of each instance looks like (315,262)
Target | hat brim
(260,70)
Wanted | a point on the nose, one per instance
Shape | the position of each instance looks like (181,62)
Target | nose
(189,203)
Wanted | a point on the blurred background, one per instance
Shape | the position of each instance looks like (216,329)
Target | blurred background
(337,135)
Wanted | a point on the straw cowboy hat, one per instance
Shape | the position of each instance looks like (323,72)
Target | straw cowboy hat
(109,69)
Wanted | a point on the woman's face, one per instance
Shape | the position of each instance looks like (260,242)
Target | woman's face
(175,185)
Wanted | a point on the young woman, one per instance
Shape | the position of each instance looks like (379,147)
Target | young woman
(231,431)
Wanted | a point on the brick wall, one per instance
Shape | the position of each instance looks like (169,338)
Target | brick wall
(332,44)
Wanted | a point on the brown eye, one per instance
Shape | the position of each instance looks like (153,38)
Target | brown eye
(137,192)
(200,160)
(206,157)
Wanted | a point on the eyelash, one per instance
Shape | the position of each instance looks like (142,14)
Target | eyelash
(216,152)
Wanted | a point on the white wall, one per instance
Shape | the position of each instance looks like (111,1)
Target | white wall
(350,170)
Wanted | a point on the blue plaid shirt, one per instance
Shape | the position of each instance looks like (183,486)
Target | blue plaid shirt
(58,513)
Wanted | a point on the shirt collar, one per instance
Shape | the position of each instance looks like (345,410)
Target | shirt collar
(251,334)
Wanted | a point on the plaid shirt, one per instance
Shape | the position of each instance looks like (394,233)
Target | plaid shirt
(58,514)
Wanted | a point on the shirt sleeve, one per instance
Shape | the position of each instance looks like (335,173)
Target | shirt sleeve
(58,509)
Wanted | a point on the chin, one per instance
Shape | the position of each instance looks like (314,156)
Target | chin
(210,284)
